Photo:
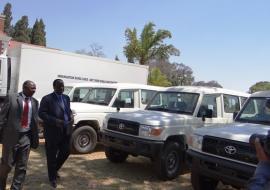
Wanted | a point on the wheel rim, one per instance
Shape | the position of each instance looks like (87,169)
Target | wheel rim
(84,140)
(172,162)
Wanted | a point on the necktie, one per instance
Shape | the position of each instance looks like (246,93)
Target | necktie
(24,122)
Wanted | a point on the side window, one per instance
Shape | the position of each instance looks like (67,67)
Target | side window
(125,99)
(157,100)
(79,94)
(146,95)
(231,103)
(251,108)
(209,102)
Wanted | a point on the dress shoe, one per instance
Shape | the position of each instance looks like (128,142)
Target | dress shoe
(53,183)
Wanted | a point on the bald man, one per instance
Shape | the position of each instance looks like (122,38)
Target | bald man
(19,123)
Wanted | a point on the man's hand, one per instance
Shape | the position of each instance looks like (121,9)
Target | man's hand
(261,155)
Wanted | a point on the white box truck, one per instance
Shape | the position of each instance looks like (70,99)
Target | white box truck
(20,62)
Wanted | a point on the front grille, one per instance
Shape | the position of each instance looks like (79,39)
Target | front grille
(124,126)
(230,149)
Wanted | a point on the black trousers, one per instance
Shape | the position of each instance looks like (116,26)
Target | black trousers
(17,157)
(57,152)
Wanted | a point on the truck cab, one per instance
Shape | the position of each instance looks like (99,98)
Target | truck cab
(160,132)
(91,102)
(224,154)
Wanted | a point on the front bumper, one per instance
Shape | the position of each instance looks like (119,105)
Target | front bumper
(229,172)
(131,145)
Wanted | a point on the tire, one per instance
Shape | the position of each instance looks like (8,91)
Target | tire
(169,163)
(83,140)
(115,156)
(200,182)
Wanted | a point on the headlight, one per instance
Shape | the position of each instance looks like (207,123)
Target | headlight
(150,131)
(104,124)
(196,142)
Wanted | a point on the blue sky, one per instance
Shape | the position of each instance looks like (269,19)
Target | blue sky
(223,40)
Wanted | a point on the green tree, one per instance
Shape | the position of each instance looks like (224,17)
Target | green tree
(149,46)
(181,75)
(178,74)
(21,30)
(260,86)
(157,78)
(8,28)
(38,33)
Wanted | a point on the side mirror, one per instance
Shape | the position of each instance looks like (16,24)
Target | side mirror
(119,103)
(207,114)
(235,114)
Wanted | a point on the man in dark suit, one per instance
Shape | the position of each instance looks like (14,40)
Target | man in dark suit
(57,120)
(19,124)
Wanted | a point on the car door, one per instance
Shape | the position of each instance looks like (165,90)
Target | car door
(127,100)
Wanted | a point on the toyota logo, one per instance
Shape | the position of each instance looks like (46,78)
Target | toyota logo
(230,149)
(121,126)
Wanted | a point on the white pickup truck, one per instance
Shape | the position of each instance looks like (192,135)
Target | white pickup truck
(91,102)
(160,131)
(224,153)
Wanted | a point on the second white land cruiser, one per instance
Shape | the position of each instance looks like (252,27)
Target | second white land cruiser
(224,153)
(160,132)
(92,101)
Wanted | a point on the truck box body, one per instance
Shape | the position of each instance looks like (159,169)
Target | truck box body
(43,65)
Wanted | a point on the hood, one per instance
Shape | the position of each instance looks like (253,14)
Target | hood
(235,131)
(147,117)
(92,108)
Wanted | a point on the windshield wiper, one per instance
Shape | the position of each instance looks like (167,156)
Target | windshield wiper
(253,121)
(158,109)
(102,103)
(90,102)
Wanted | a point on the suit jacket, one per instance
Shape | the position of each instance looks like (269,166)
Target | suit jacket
(10,121)
(50,111)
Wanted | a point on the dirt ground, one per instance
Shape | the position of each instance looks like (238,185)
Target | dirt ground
(94,171)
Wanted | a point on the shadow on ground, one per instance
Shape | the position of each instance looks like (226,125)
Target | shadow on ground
(94,171)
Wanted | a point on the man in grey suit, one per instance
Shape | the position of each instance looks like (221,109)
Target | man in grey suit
(18,121)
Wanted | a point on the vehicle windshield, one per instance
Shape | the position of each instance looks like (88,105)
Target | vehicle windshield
(256,110)
(174,102)
(99,96)
(67,89)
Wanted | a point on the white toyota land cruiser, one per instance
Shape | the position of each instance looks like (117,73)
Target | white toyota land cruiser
(92,101)
(224,153)
(159,132)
